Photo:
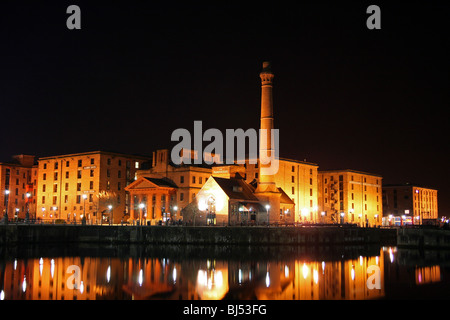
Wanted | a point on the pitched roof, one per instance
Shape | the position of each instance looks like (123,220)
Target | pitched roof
(161,182)
(236,189)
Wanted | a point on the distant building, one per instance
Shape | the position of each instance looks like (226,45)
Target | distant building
(85,184)
(18,179)
(349,196)
(409,204)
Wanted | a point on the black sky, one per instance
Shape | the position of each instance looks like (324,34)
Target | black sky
(345,97)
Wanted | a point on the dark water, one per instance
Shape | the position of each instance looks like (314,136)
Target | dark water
(212,273)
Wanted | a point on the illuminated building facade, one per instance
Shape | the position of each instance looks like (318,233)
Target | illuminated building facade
(186,178)
(227,199)
(152,200)
(409,204)
(349,196)
(298,180)
(18,180)
(90,184)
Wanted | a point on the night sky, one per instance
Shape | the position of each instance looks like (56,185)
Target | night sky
(345,97)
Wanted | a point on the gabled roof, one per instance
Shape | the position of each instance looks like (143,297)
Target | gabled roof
(150,183)
(285,198)
(236,189)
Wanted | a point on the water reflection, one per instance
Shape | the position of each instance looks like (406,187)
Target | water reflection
(156,277)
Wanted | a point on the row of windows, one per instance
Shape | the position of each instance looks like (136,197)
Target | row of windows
(92,162)
(341,178)
(91,186)
(194,179)
(91,174)
(78,200)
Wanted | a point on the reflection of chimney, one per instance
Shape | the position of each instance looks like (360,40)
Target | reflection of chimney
(266,182)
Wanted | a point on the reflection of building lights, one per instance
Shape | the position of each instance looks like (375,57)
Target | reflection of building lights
(41,266)
(323,267)
(81,287)
(24,284)
(267,279)
(315,276)
(353,273)
(108,274)
(52,267)
(2,295)
(376,260)
(391,255)
(174,274)
(286,271)
(239,276)
(141,277)
(360,260)
(305,271)
(15,264)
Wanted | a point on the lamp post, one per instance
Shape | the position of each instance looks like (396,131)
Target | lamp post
(5,217)
(27,215)
(84,208)
(141,206)
(267,208)
(175,209)
(342,217)
(110,214)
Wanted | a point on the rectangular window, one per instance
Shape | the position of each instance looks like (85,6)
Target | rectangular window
(44,177)
(43,199)
(91,173)
(80,163)
(193,179)
(91,185)
(200,180)
(293,190)
(43,188)
(292,179)
(79,186)
(181,179)
(55,188)
(66,187)
(55,176)
(79,174)
(67,174)
(119,174)
(67,164)
(92,161)
(108,185)
(119,187)
(56,165)
(311,192)
(108,173)
(293,169)
(181,196)
(91,197)
(55,199)
(66,198)
(78,199)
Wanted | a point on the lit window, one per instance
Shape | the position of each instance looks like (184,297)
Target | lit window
(136,165)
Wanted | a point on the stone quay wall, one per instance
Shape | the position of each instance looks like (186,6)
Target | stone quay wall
(324,235)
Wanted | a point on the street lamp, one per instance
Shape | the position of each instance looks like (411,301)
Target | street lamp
(267,208)
(110,214)
(175,209)
(342,217)
(141,206)
(27,215)
(5,217)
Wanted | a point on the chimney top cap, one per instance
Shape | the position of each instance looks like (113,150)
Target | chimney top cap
(266,64)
